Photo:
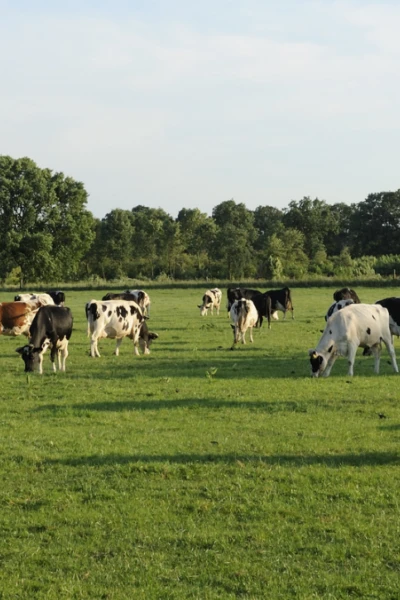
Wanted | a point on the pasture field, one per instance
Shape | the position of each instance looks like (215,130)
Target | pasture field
(198,472)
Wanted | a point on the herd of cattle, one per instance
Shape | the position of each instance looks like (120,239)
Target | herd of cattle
(48,323)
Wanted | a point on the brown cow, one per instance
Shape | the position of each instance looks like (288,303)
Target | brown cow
(16,317)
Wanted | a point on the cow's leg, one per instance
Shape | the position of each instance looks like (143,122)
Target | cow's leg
(351,357)
(376,351)
(119,342)
(331,361)
(251,334)
(63,353)
(388,341)
(93,347)
(40,363)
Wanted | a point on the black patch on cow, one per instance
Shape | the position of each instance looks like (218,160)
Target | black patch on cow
(330,349)
(125,326)
(316,363)
(92,309)
(132,309)
(121,311)
(104,307)
(373,317)
(109,313)
(369,331)
(330,331)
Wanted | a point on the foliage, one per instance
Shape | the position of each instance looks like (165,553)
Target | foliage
(47,230)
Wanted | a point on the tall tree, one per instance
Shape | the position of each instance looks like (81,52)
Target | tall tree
(44,226)
(375,225)
(314,219)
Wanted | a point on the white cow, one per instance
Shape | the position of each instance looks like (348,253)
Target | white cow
(114,319)
(142,298)
(244,316)
(211,299)
(338,306)
(365,325)
(44,299)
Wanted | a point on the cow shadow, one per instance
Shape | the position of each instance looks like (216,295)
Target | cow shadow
(337,461)
(178,403)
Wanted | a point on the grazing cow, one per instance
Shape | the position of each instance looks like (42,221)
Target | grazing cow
(393,306)
(365,325)
(114,319)
(44,299)
(281,300)
(211,299)
(139,296)
(345,294)
(238,293)
(263,305)
(244,316)
(52,326)
(58,297)
(16,317)
(338,306)
(143,299)
(145,338)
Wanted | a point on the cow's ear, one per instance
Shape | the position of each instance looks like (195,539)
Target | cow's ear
(330,349)
(199,306)
(20,350)
(146,317)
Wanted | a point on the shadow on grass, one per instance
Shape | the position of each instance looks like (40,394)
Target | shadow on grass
(207,404)
(369,459)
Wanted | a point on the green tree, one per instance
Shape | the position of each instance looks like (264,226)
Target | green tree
(375,225)
(44,226)
(314,218)
(236,234)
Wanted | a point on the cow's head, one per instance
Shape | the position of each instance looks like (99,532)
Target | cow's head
(318,363)
(30,356)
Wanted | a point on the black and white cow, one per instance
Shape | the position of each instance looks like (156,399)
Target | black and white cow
(263,305)
(211,299)
(51,327)
(281,300)
(113,319)
(244,316)
(146,337)
(58,297)
(139,296)
(44,299)
(393,306)
(143,299)
(338,306)
(238,293)
(345,294)
(365,325)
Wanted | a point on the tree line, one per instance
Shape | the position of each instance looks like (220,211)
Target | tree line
(48,234)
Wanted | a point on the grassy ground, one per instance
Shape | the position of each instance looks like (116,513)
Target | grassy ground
(199,472)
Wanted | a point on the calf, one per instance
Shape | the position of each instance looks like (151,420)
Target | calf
(345,294)
(238,293)
(113,319)
(16,317)
(338,306)
(52,326)
(211,299)
(365,325)
(281,300)
(244,316)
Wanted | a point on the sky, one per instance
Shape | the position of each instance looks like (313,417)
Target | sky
(183,104)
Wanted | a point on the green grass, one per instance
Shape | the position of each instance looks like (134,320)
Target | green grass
(199,472)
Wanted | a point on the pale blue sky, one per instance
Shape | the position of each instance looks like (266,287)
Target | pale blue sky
(182,104)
